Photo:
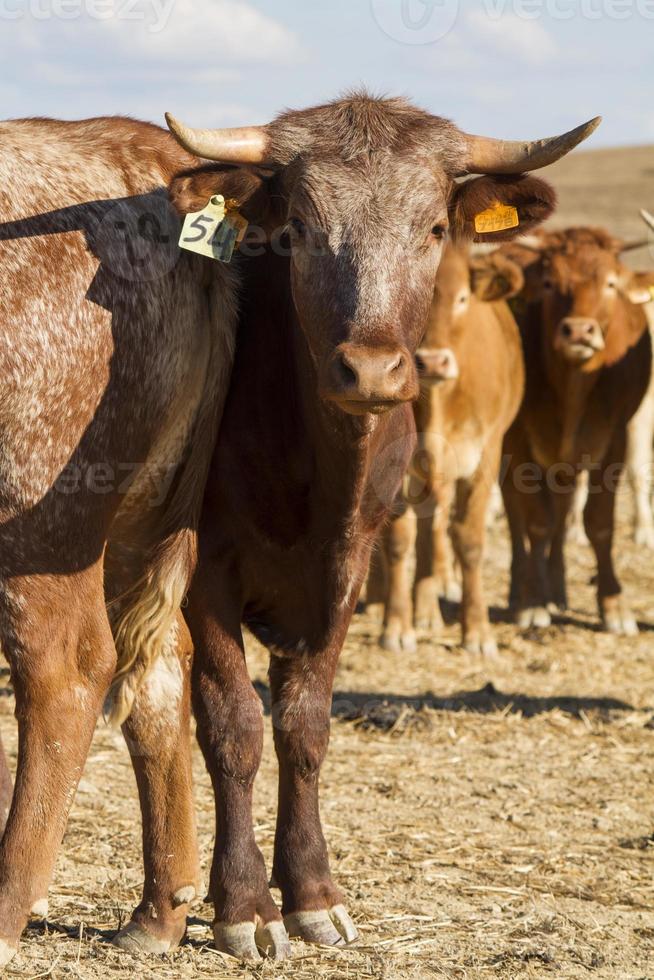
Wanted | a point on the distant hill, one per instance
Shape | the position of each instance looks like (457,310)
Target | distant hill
(607,188)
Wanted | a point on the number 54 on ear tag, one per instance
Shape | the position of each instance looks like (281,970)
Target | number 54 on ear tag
(215,231)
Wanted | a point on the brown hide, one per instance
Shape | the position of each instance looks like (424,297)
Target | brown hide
(588,359)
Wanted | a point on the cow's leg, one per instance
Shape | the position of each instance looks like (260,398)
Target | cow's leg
(399,545)
(530,514)
(434,561)
(576,532)
(301,689)
(230,732)
(516,517)
(599,518)
(639,469)
(6,788)
(57,639)
(468,535)
(563,498)
(157,733)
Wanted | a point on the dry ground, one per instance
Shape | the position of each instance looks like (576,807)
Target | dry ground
(485,819)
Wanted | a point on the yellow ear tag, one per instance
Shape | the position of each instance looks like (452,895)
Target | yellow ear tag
(499,217)
(215,231)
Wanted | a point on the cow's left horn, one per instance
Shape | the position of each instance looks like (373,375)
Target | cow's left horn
(248,144)
(491,156)
(647,218)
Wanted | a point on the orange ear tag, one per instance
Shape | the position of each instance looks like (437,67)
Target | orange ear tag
(499,217)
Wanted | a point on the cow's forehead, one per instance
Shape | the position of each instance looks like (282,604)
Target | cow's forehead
(588,262)
(384,185)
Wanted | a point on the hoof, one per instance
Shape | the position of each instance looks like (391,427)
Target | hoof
(536,616)
(134,938)
(7,952)
(272,940)
(452,592)
(644,537)
(324,928)
(621,625)
(406,643)
(40,909)
(481,647)
(237,940)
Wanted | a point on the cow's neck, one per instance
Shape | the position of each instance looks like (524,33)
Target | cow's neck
(573,388)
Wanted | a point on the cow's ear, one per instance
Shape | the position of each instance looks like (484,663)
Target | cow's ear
(639,288)
(494,277)
(504,206)
(190,191)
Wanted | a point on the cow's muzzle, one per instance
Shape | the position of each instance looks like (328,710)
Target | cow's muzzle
(437,364)
(361,378)
(579,338)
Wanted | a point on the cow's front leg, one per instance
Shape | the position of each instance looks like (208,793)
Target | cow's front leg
(313,908)
(398,542)
(230,732)
(6,789)
(434,562)
(599,518)
(157,733)
(468,534)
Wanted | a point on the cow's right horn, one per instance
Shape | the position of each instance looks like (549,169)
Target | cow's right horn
(647,218)
(248,144)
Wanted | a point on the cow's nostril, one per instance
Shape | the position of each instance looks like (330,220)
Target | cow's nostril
(346,375)
(397,364)
(567,330)
(420,364)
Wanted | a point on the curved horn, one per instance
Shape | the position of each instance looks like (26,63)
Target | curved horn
(244,145)
(491,156)
(632,246)
(647,218)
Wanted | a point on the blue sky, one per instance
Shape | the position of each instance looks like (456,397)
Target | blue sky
(513,68)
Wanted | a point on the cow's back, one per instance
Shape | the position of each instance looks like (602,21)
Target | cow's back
(103,333)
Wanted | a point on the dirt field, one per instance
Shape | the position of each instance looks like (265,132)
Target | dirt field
(486,819)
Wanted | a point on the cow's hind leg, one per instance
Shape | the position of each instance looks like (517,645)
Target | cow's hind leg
(6,788)
(599,517)
(56,636)
(157,733)
(313,908)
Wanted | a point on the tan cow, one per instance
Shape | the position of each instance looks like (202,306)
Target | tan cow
(640,438)
(588,359)
(472,379)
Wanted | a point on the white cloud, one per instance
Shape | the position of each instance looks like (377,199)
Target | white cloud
(513,37)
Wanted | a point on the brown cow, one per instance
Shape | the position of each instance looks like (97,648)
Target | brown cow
(588,359)
(471,386)
(114,355)
(314,442)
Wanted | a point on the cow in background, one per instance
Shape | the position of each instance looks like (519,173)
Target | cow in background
(639,462)
(588,363)
(471,385)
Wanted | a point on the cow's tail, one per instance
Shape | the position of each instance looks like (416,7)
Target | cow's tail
(149,613)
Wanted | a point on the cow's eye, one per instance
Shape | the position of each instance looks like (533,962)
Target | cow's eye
(297,226)
(611,284)
(548,285)
(439,232)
